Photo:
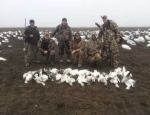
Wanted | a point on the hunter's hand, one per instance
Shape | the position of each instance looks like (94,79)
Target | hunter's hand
(24,49)
(31,36)
(45,52)
(117,40)
(73,52)
(99,51)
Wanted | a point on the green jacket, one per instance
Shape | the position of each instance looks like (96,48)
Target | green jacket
(77,46)
(93,46)
(113,31)
(64,33)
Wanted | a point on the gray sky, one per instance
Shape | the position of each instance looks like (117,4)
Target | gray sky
(80,13)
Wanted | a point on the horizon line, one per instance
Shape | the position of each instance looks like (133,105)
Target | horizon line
(88,27)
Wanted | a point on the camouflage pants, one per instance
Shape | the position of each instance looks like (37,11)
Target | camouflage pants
(48,57)
(30,53)
(110,54)
(78,57)
(64,47)
(95,59)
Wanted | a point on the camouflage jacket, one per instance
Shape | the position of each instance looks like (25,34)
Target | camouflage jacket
(77,46)
(47,45)
(64,33)
(36,36)
(93,46)
(112,32)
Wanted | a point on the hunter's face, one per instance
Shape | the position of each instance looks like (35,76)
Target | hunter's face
(93,37)
(64,22)
(77,37)
(46,36)
(105,20)
(31,24)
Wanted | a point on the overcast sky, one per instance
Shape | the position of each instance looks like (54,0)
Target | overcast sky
(80,13)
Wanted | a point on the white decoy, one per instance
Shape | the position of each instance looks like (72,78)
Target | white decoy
(131,42)
(82,37)
(0,43)
(20,38)
(126,37)
(124,46)
(3,59)
(137,40)
(1,36)
(41,35)
(148,42)
(10,46)
(5,33)
(8,36)
(147,37)
(14,36)
(141,39)
(148,45)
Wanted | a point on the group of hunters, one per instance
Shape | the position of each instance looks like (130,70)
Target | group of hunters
(98,51)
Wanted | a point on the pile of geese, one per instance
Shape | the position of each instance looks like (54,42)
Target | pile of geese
(83,77)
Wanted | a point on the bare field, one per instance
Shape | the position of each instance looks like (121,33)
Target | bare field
(17,98)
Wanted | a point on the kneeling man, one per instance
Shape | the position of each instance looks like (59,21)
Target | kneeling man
(77,49)
(93,51)
(47,48)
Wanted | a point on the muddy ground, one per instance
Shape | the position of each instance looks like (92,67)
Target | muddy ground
(17,98)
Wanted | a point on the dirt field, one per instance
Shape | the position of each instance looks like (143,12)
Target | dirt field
(17,98)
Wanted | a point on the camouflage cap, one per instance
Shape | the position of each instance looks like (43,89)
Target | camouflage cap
(104,16)
(93,33)
(77,34)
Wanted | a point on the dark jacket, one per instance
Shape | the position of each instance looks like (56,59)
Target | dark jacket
(64,33)
(36,36)
(47,45)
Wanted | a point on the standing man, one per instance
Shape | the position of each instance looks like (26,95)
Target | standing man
(32,37)
(64,36)
(110,34)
